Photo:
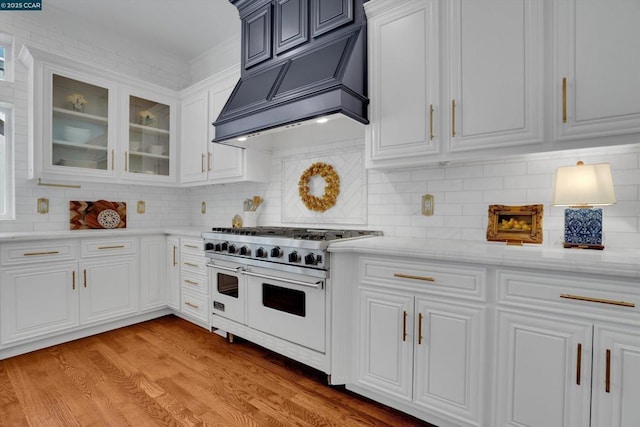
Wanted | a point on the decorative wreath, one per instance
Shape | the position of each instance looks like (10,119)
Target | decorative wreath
(331,190)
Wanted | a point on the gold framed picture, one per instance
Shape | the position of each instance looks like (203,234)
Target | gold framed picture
(515,224)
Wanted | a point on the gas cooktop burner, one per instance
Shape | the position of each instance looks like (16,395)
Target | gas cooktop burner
(296,233)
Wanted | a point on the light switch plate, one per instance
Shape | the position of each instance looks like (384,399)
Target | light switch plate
(141,207)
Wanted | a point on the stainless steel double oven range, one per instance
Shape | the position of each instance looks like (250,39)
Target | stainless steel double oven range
(271,286)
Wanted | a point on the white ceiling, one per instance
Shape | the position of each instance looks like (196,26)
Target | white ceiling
(184,28)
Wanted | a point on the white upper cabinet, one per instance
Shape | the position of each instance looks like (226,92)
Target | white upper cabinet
(403,81)
(150,136)
(204,162)
(436,93)
(85,124)
(495,88)
(596,84)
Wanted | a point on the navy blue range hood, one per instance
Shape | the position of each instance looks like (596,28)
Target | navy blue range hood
(301,59)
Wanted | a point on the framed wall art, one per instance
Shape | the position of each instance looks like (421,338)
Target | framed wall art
(515,224)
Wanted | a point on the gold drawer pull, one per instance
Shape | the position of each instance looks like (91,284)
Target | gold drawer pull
(579,365)
(564,100)
(191,305)
(404,325)
(190,264)
(202,162)
(598,300)
(430,122)
(111,247)
(174,255)
(420,317)
(191,246)
(41,253)
(409,276)
(73,280)
(191,282)
(607,379)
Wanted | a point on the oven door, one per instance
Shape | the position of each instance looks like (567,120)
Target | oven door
(288,306)
(228,290)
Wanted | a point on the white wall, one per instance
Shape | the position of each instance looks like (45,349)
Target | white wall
(462,193)
(165,207)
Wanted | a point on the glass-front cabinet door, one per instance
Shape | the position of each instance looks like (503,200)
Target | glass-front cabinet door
(150,142)
(79,127)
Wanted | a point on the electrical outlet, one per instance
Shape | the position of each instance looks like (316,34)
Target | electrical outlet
(427,205)
(203,208)
(141,207)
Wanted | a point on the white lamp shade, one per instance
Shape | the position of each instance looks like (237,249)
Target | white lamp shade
(584,185)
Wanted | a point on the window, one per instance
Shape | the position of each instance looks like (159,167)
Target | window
(6,57)
(7,209)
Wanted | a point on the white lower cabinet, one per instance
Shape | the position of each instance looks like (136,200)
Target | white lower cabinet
(194,291)
(152,275)
(109,288)
(418,348)
(568,351)
(37,300)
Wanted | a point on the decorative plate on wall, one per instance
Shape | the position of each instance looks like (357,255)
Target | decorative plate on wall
(100,214)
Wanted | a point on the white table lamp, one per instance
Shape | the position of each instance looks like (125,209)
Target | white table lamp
(582,187)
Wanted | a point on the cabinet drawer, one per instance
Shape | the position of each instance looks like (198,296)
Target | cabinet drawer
(25,253)
(102,247)
(434,278)
(194,265)
(195,305)
(568,293)
(195,282)
(192,246)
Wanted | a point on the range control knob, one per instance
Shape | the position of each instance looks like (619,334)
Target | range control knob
(310,259)
(245,251)
(232,249)
(218,247)
(293,257)
(208,246)
(224,246)
(261,253)
(276,252)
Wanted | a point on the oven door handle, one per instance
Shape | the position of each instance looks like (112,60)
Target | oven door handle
(318,285)
(221,267)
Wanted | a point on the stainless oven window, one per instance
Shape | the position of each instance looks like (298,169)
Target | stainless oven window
(227,285)
(290,301)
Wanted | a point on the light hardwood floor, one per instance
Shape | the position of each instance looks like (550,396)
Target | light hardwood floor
(168,372)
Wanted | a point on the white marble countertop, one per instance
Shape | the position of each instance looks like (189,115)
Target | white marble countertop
(84,234)
(623,263)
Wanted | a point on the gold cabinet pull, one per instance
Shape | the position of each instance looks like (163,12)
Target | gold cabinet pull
(191,305)
(579,364)
(202,163)
(113,159)
(430,122)
(209,161)
(85,278)
(598,300)
(174,256)
(607,380)
(191,246)
(111,247)
(409,276)
(404,325)
(126,161)
(453,118)
(73,280)
(564,100)
(190,282)
(190,264)
(41,253)
(420,317)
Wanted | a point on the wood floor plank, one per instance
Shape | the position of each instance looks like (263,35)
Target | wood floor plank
(169,372)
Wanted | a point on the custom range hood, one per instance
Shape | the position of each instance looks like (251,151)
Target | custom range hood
(301,60)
